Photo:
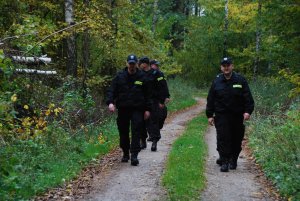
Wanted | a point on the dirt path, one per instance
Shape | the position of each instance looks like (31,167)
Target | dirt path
(125,182)
(236,185)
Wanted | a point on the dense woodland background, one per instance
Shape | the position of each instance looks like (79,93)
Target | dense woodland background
(88,42)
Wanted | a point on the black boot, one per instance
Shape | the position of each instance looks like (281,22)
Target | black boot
(125,157)
(134,159)
(154,145)
(233,163)
(143,144)
(225,166)
(219,161)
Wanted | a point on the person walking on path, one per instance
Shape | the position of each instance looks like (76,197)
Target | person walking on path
(151,125)
(229,104)
(130,94)
(163,110)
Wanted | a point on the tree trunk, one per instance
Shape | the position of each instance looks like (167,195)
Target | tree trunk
(155,15)
(85,51)
(196,9)
(71,40)
(177,29)
(225,29)
(258,40)
(114,18)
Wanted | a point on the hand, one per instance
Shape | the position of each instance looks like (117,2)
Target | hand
(146,115)
(167,100)
(161,106)
(211,121)
(246,116)
(111,107)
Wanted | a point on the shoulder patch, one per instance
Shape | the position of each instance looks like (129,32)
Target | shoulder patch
(138,82)
(160,78)
(237,86)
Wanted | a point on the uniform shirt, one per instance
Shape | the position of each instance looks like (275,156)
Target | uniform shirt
(130,91)
(156,81)
(229,96)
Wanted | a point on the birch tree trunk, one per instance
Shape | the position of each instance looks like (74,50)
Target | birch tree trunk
(71,40)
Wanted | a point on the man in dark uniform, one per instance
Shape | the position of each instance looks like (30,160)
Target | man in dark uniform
(163,110)
(152,124)
(130,93)
(229,103)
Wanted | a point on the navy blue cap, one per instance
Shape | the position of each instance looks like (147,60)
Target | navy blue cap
(132,59)
(144,60)
(226,60)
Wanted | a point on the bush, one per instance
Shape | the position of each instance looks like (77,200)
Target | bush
(274,136)
(29,167)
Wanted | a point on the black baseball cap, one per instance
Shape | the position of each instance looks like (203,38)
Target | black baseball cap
(226,60)
(154,62)
(132,59)
(144,60)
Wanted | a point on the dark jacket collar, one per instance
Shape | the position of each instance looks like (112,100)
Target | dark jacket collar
(233,76)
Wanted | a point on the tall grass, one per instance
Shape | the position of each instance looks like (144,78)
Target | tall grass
(275,135)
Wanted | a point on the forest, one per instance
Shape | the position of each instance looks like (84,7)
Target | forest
(58,57)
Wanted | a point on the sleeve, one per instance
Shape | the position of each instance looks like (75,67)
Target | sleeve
(163,88)
(210,106)
(248,99)
(111,92)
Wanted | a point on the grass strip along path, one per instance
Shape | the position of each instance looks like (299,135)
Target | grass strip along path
(184,175)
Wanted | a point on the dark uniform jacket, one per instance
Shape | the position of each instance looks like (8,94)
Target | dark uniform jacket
(130,91)
(229,96)
(158,85)
(164,86)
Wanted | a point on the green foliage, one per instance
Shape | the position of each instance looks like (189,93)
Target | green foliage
(184,175)
(274,135)
(30,167)
(271,95)
(294,79)
(183,96)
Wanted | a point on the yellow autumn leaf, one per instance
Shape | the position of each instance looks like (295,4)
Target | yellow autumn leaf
(26,107)
(13,98)
(101,139)
(41,122)
(20,130)
(48,112)
(56,111)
